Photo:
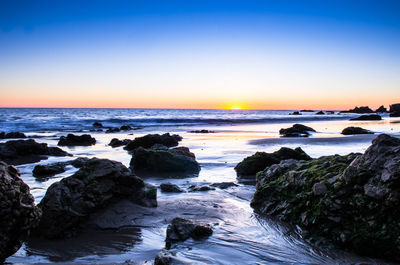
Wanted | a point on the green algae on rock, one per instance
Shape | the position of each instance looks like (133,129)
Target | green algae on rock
(350,200)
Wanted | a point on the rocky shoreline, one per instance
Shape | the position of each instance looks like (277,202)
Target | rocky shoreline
(324,196)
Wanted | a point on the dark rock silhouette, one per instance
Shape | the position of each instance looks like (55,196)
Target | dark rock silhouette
(76,140)
(372,117)
(355,130)
(149,140)
(297,130)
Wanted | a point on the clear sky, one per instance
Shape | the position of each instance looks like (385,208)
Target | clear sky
(199,54)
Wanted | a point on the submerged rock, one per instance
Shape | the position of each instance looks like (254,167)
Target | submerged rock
(179,162)
(355,130)
(18,152)
(18,213)
(117,143)
(169,187)
(224,185)
(181,229)
(297,130)
(372,117)
(149,140)
(194,188)
(359,110)
(125,128)
(76,140)
(113,130)
(48,170)
(249,167)
(97,125)
(353,200)
(71,201)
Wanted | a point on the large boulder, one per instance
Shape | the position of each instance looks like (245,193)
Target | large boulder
(372,117)
(181,229)
(249,167)
(359,110)
(176,162)
(297,130)
(149,140)
(18,152)
(355,130)
(71,201)
(395,114)
(353,200)
(18,213)
(76,140)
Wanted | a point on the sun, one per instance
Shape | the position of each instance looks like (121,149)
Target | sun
(235,106)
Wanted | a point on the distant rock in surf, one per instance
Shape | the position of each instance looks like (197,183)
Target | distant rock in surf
(320,113)
(381,109)
(295,113)
(251,165)
(297,130)
(359,110)
(372,117)
(353,200)
(117,143)
(201,131)
(18,213)
(71,201)
(45,171)
(394,107)
(355,130)
(169,187)
(149,140)
(17,152)
(306,110)
(179,162)
(97,125)
(12,135)
(76,140)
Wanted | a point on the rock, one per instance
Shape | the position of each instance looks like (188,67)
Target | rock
(297,130)
(113,130)
(194,188)
(330,112)
(159,147)
(164,162)
(97,125)
(327,196)
(249,167)
(169,187)
(372,117)
(306,110)
(395,114)
(224,185)
(359,110)
(71,201)
(18,213)
(12,135)
(165,257)
(381,109)
(355,130)
(181,229)
(75,140)
(394,107)
(18,152)
(320,113)
(295,113)
(319,189)
(149,140)
(201,131)
(117,143)
(125,128)
(79,162)
(48,170)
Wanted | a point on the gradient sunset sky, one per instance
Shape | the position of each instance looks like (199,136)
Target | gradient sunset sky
(199,54)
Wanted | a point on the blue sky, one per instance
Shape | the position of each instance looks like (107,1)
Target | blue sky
(201,54)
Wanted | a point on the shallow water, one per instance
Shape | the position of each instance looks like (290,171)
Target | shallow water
(240,236)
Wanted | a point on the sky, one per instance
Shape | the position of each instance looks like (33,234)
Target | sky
(199,54)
